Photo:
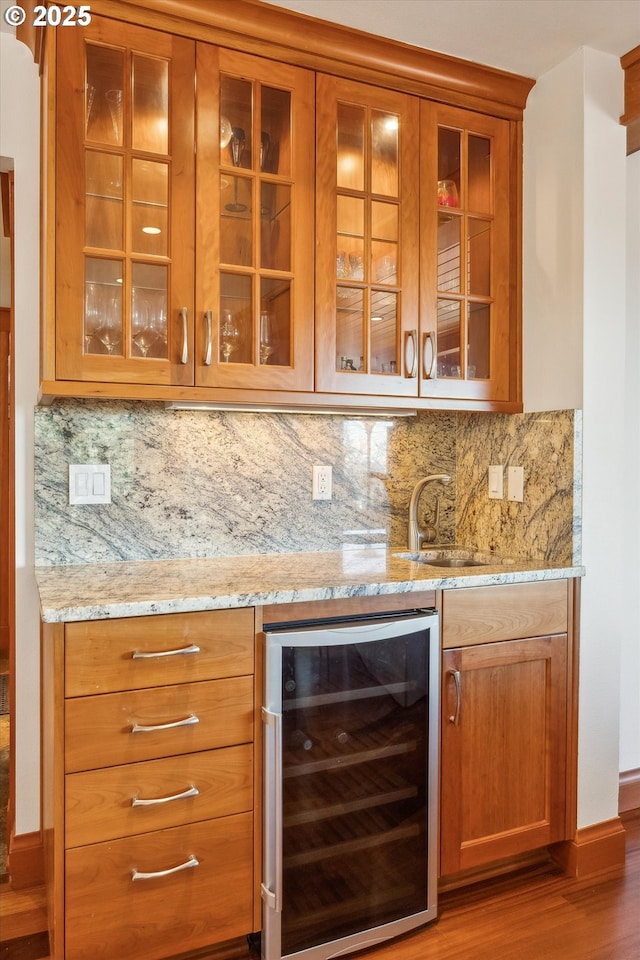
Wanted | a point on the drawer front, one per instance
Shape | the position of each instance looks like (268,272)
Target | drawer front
(100,731)
(102,656)
(510,611)
(164,915)
(140,797)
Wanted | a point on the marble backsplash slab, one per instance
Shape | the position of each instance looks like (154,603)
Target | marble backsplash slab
(204,484)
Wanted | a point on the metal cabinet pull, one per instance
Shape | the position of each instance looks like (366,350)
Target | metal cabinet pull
(208,352)
(185,722)
(455,717)
(271,887)
(151,654)
(187,865)
(191,791)
(429,369)
(184,316)
(411,354)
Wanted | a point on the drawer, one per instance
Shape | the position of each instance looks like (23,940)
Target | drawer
(102,656)
(100,731)
(189,909)
(99,803)
(511,611)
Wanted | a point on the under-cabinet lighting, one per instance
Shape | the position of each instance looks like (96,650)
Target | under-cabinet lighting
(207,405)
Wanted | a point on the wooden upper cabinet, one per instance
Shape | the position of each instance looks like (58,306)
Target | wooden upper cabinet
(469,332)
(254,222)
(124,205)
(367,214)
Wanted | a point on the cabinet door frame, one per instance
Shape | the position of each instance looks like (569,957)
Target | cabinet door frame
(71,361)
(467,737)
(505,228)
(329,91)
(211,62)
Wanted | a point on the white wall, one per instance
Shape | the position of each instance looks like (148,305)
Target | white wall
(19,141)
(576,330)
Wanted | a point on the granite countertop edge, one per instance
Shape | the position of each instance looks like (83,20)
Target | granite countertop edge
(97,591)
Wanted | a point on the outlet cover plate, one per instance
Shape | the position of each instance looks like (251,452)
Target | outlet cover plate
(89,483)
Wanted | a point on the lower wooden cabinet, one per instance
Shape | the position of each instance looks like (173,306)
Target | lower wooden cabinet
(504,723)
(149,814)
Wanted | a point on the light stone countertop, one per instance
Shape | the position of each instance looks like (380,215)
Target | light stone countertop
(131,589)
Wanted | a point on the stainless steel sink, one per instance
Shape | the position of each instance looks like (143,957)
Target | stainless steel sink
(453,557)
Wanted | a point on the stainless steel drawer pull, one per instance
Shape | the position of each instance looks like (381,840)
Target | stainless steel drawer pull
(184,317)
(191,791)
(455,717)
(208,353)
(151,654)
(185,722)
(187,865)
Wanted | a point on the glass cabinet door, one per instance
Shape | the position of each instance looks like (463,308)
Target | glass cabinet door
(254,320)
(367,221)
(124,164)
(465,199)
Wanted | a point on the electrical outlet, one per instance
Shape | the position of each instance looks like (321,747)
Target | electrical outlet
(322,483)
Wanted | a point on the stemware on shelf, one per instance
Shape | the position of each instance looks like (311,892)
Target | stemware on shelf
(266,344)
(229,335)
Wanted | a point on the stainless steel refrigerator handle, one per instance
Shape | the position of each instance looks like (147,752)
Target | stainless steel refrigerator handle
(274,813)
(151,654)
(455,717)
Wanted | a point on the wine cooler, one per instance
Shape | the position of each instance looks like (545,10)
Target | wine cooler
(351,782)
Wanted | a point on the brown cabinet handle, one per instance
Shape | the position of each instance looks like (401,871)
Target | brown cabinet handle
(455,717)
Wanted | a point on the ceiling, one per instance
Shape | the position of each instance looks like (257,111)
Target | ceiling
(527,37)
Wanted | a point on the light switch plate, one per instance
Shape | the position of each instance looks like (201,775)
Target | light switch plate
(496,482)
(89,483)
(515,482)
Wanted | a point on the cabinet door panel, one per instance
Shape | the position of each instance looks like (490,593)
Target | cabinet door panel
(254,223)
(124,267)
(503,750)
(367,251)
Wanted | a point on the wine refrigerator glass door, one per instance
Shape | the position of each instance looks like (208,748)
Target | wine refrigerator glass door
(350,784)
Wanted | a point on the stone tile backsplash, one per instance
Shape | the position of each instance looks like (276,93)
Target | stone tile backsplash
(206,484)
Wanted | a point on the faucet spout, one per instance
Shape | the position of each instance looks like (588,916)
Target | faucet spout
(418,535)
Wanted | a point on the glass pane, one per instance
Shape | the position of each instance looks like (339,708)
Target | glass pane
(150,108)
(384,331)
(275,222)
(479,257)
(448,187)
(150,190)
(275,138)
(236,221)
(479,346)
(149,311)
(449,252)
(350,147)
(275,322)
(236,122)
(103,306)
(104,214)
(351,237)
(479,174)
(449,338)
(384,154)
(236,319)
(384,243)
(349,328)
(385,262)
(103,94)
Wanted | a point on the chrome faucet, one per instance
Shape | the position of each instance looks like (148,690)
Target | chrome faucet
(417,535)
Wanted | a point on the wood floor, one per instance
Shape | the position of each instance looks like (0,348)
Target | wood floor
(531,916)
